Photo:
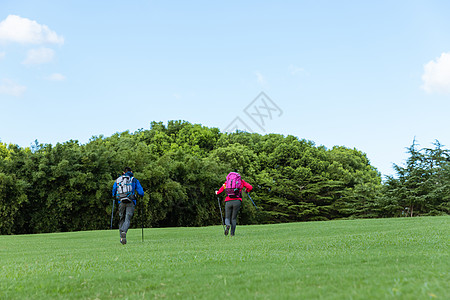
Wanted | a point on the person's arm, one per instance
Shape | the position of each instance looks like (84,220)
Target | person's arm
(247,186)
(114,189)
(221,189)
(139,188)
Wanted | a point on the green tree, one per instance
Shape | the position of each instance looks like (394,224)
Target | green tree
(420,186)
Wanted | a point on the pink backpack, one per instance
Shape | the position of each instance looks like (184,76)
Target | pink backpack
(233,185)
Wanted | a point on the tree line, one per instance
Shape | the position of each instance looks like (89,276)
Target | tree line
(67,186)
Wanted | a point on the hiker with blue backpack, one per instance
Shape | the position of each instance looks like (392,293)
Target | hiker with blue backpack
(233,187)
(124,190)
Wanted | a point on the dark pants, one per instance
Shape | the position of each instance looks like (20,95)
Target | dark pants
(126,211)
(231,211)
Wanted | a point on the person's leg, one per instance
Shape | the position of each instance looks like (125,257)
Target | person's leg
(236,206)
(228,213)
(128,215)
(126,211)
(122,209)
(122,213)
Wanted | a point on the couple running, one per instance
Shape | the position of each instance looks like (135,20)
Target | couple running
(126,186)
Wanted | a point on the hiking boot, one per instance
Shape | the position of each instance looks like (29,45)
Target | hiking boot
(227,229)
(123,237)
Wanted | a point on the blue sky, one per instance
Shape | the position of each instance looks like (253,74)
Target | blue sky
(367,75)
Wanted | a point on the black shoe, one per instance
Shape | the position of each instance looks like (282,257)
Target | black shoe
(227,229)
(123,237)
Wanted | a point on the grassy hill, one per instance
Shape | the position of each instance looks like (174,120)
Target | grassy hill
(407,258)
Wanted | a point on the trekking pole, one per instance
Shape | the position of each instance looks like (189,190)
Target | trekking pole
(112,212)
(141,204)
(221,216)
(248,194)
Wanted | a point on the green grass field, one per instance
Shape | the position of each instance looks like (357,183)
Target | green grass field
(407,258)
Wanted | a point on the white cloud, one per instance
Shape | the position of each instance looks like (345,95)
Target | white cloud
(436,76)
(56,77)
(9,87)
(260,78)
(39,56)
(25,31)
(295,70)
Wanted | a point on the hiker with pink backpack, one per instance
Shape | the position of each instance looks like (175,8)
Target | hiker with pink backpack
(233,188)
